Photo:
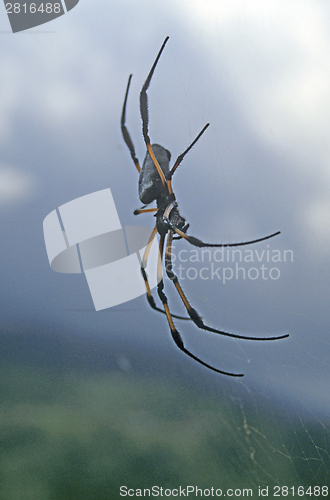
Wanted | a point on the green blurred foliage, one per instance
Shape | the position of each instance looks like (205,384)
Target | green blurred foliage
(79,435)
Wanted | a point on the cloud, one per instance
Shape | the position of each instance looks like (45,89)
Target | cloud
(315,222)
(275,57)
(15,186)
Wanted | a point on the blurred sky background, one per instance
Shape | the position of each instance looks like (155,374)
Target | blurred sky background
(259,72)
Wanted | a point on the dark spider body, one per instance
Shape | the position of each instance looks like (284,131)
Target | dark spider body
(151,189)
(155,184)
(150,184)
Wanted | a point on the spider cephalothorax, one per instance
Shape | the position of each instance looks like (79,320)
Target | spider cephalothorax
(155,184)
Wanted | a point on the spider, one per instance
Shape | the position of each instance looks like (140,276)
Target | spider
(155,184)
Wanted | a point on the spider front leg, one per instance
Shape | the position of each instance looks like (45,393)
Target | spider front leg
(145,117)
(174,332)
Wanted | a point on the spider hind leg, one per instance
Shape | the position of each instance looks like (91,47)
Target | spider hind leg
(151,300)
(174,332)
(196,318)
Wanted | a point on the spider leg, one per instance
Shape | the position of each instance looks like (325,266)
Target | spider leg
(144,114)
(191,311)
(144,210)
(179,160)
(198,243)
(182,155)
(184,229)
(144,262)
(174,332)
(127,137)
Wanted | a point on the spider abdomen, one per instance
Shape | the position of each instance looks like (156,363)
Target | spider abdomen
(150,184)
